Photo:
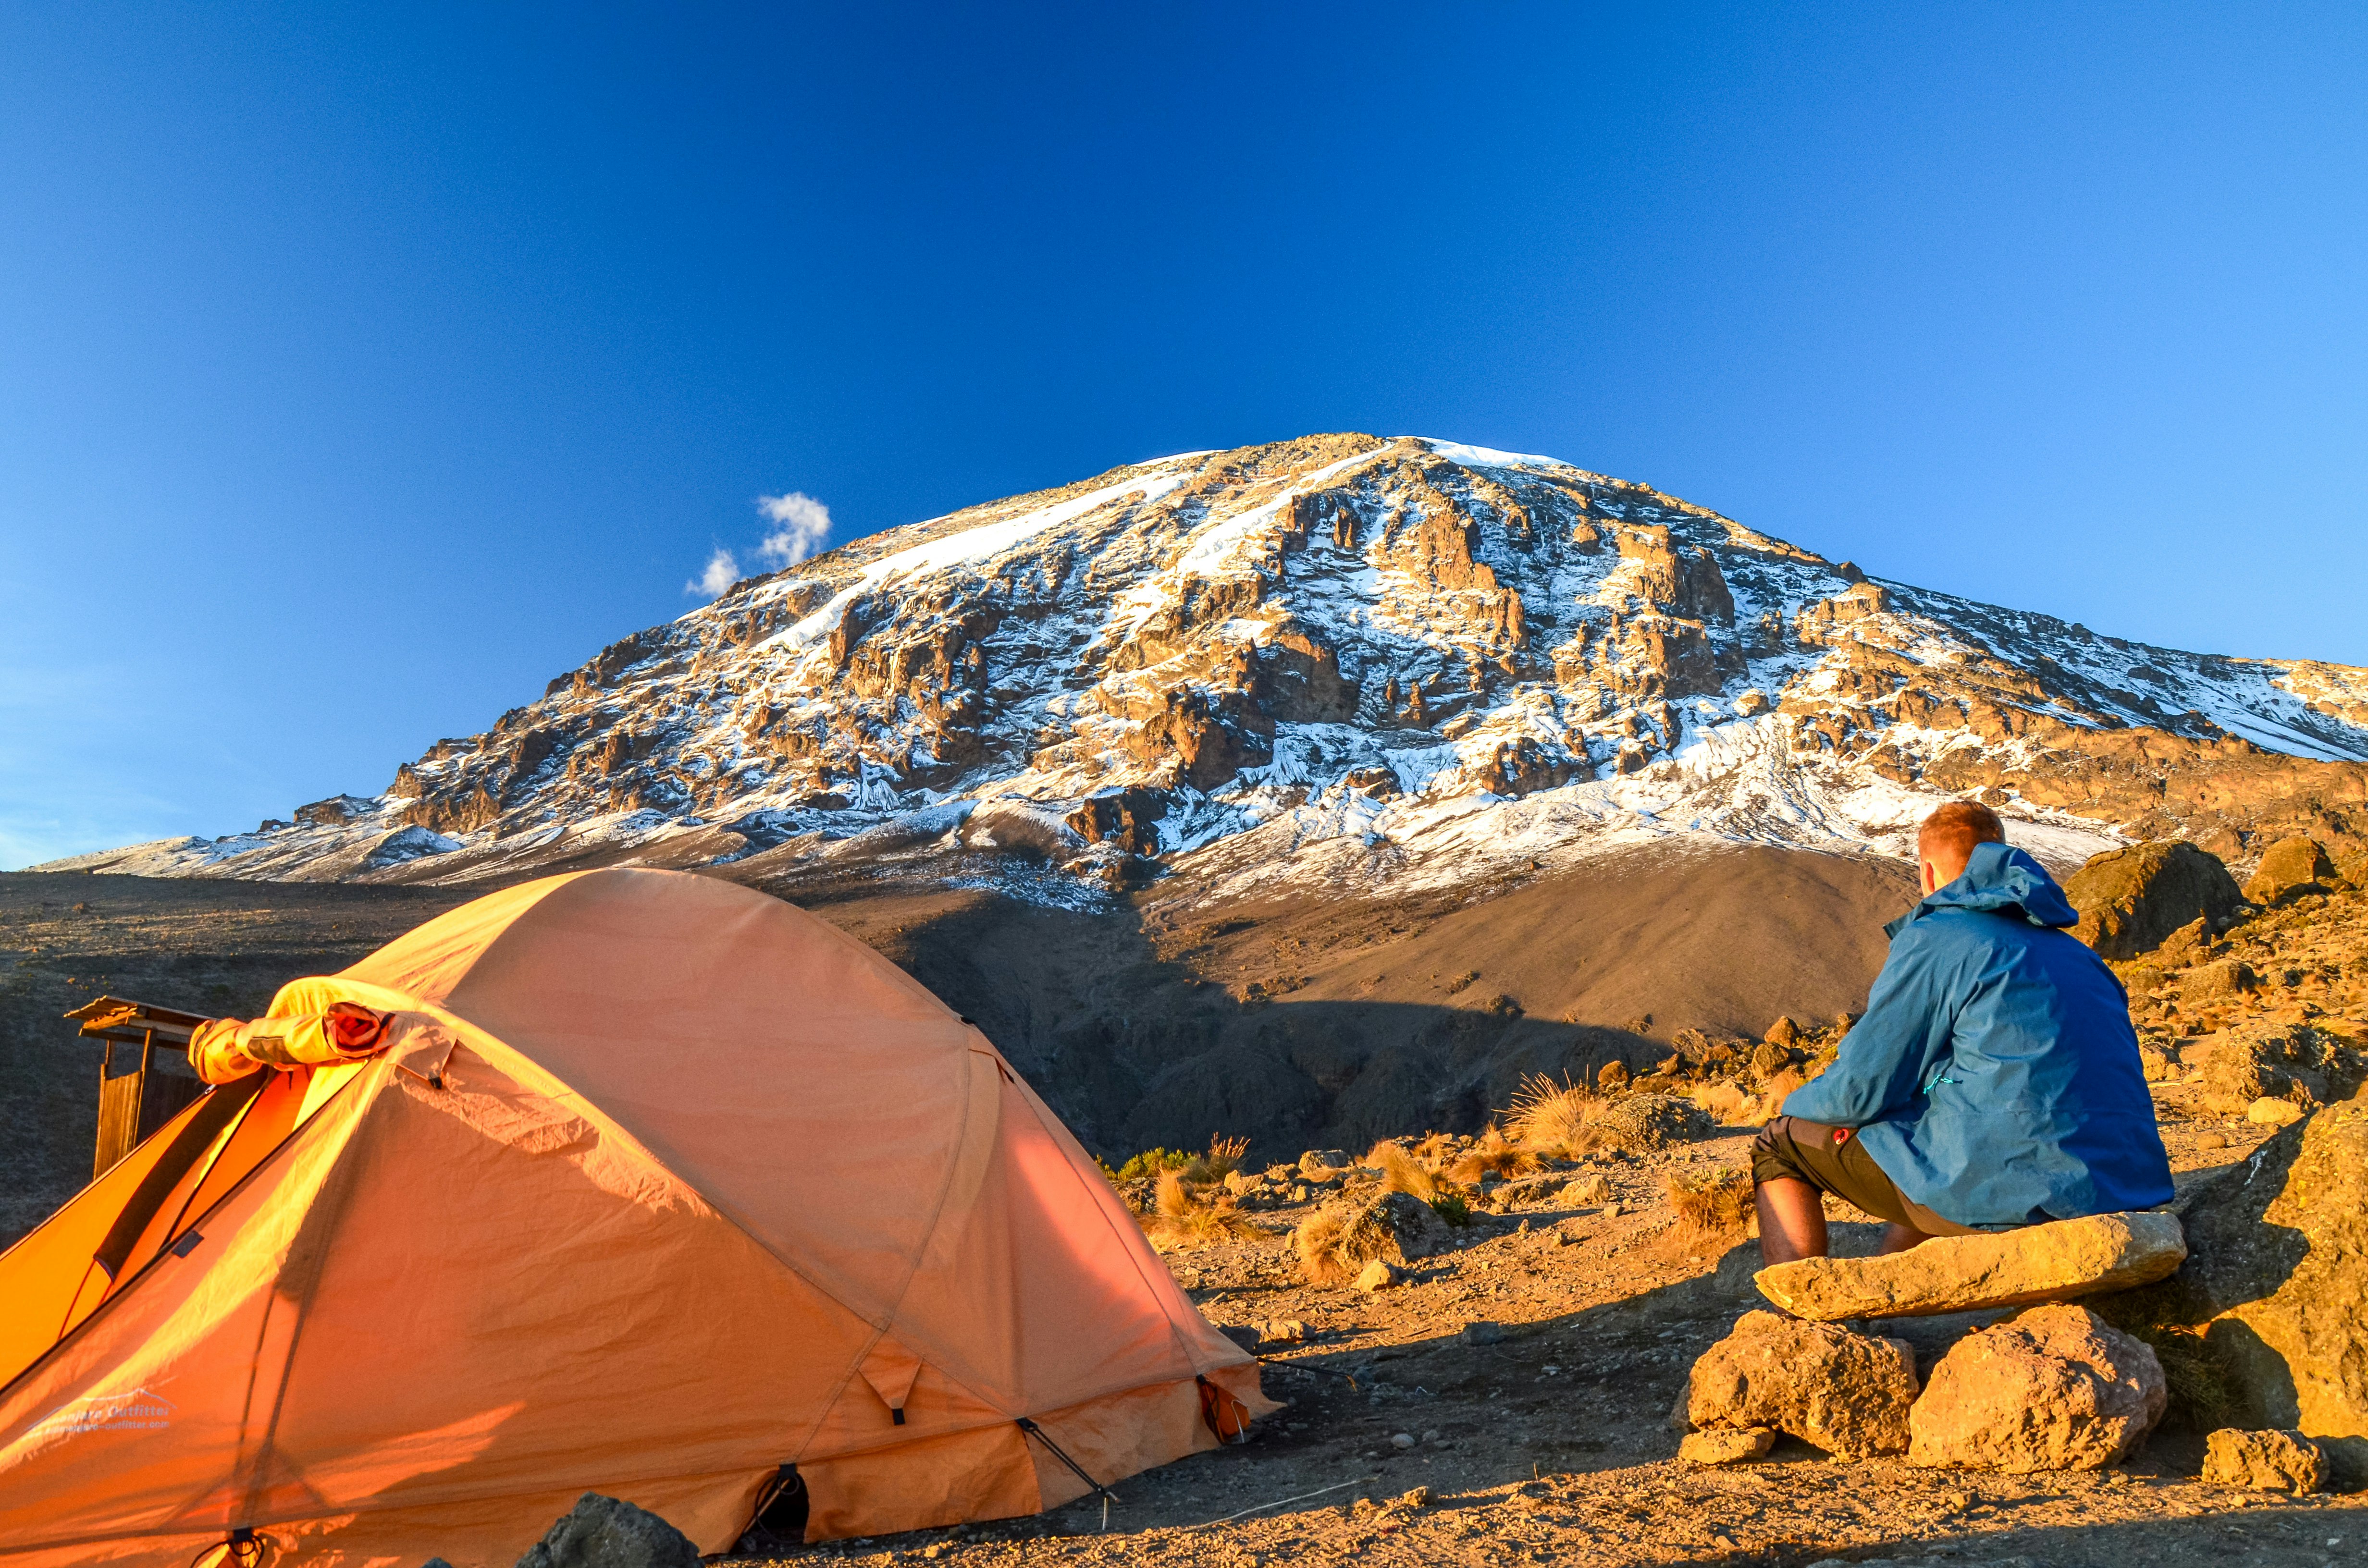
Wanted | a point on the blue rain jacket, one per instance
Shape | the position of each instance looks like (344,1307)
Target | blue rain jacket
(1996,1077)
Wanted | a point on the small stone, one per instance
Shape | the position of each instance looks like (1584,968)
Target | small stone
(1589,1189)
(1483,1333)
(2264,1461)
(1401,1440)
(1418,1498)
(1612,1211)
(1246,1335)
(2268,1112)
(1847,1393)
(1726,1445)
(1431,1435)
(2052,1262)
(1282,1331)
(2053,1388)
(1380,1275)
(1320,1163)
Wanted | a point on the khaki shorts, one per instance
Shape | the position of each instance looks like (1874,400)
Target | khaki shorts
(1832,1159)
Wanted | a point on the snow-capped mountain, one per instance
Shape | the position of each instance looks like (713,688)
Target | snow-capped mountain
(1345,662)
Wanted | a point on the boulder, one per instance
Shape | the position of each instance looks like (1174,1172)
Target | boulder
(1322,1163)
(1847,1393)
(2130,898)
(2274,1113)
(1644,1122)
(604,1532)
(2224,979)
(2276,1270)
(1393,1227)
(2263,1462)
(2053,1388)
(2278,1062)
(1726,1445)
(2289,867)
(2054,1262)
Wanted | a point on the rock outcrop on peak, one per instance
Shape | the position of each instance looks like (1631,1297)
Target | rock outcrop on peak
(1341,662)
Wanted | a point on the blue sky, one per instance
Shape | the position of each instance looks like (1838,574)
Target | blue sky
(362,368)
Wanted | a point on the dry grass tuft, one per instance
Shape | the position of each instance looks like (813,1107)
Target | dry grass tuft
(1180,1218)
(1434,1149)
(1556,1117)
(1318,1238)
(1713,1211)
(1224,1157)
(1493,1156)
(1401,1171)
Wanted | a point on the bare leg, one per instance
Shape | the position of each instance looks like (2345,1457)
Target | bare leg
(1899,1238)
(1791,1220)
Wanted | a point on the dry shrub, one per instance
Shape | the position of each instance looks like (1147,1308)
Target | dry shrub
(2201,1388)
(1401,1171)
(1179,1218)
(1730,1104)
(1436,1148)
(1493,1156)
(1224,1157)
(1317,1239)
(1150,1163)
(1713,1211)
(1551,1116)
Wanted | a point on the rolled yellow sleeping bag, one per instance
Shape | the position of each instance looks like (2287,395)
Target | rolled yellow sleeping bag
(225,1049)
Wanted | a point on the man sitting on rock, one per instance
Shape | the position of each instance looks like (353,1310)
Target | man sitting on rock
(1994,1081)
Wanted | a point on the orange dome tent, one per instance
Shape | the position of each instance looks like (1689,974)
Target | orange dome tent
(651,1186)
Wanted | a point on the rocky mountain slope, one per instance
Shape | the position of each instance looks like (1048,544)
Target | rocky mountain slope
(1340,664)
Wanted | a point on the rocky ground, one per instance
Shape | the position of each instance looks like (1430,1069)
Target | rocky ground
(1510,1402)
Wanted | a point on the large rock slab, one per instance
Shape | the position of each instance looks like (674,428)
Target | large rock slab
(2276,1274)
(2054,1262)
(2130,898)
(1847,1393)
(2053,1388)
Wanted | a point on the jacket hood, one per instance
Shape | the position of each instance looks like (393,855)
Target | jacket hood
(2000,881)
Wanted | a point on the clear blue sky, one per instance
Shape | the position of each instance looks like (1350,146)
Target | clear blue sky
(362,368)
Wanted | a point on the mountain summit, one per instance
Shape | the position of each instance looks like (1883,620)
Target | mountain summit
(1341,662)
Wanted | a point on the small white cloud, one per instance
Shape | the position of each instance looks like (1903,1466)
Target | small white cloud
(721,571)
(800,525)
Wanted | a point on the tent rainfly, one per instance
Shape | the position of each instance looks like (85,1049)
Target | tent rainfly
(633,1182)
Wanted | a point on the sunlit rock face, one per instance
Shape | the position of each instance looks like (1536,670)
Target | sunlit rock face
(1344,662)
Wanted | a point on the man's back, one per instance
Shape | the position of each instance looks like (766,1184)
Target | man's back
(1996,1077)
